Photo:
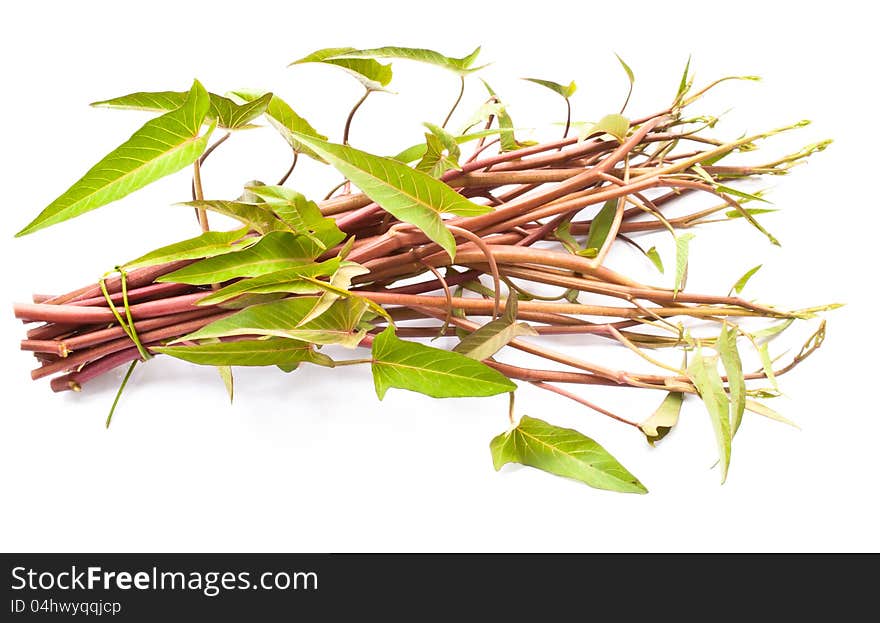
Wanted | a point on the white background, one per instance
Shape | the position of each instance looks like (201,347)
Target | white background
(312,461)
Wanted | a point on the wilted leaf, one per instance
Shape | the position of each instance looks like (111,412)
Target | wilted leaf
(601,225)
(703,371)
(682,248)
(564,452)
(163,145)
(494,335)
(726,347)
(762,409)
(654,256)
(431,371)
(228,379)
(664,418)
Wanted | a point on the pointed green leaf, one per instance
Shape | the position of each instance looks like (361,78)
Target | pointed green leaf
(441,152)
(682,249)
(684,84)
(507,138)
(703,372)
(338,325)
(494,335)
(299,214)
(614,124)
(370,73)
(664,418)
(460,66)
(772,330)
(629,72)
(726,346)
(601,225)
(275,251)
(654,256)
(225,373)
(563,90)
(416,152)
(431,371)
(289,280)
(284,119)
(752,211)
(337,288)
(228,114)
(742,281)
(767,363)
(256,216)
(205,245)
(412,196)
(762,409)
(163,145)
(564,452)
(260,352)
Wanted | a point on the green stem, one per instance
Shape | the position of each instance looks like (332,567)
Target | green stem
(119,392)
(455,105)
(354,109)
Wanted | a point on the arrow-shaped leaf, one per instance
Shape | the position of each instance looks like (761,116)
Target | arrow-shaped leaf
(431,371)
(289,280)
(261,352)
(229,115)
(275,251)
(204,245)
(565,91)
(338,325)
(301,215)
(162,146)
(256,216)
(458,65)
(373,75)
(284,119)
(564,452)
(614,124)
(494,335)
(411,196)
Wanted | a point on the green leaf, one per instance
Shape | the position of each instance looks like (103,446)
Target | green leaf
(336,289)
(767,363)
(416,152)
(564,91)
(411,196)
(682,249)
(228,114)
(163,145)
(494,335)
(260,352)
(703,371)
(301,215)
(762,409)
(742,281)
(284,119)
(370,73)
(601,225)
(431,371)
(338,325)
(684,84)
(726,346)
(225,373)
(507,137)
(654,256)
(256,216)
(751,211)
(629,72)
(441,152)
(564,452)
(204,245)
(664,418)
(772,330)
(274,251)
(460,66)
(289,280)
(614,124)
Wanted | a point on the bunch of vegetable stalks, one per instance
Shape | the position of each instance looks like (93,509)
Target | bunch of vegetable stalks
(542,197)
